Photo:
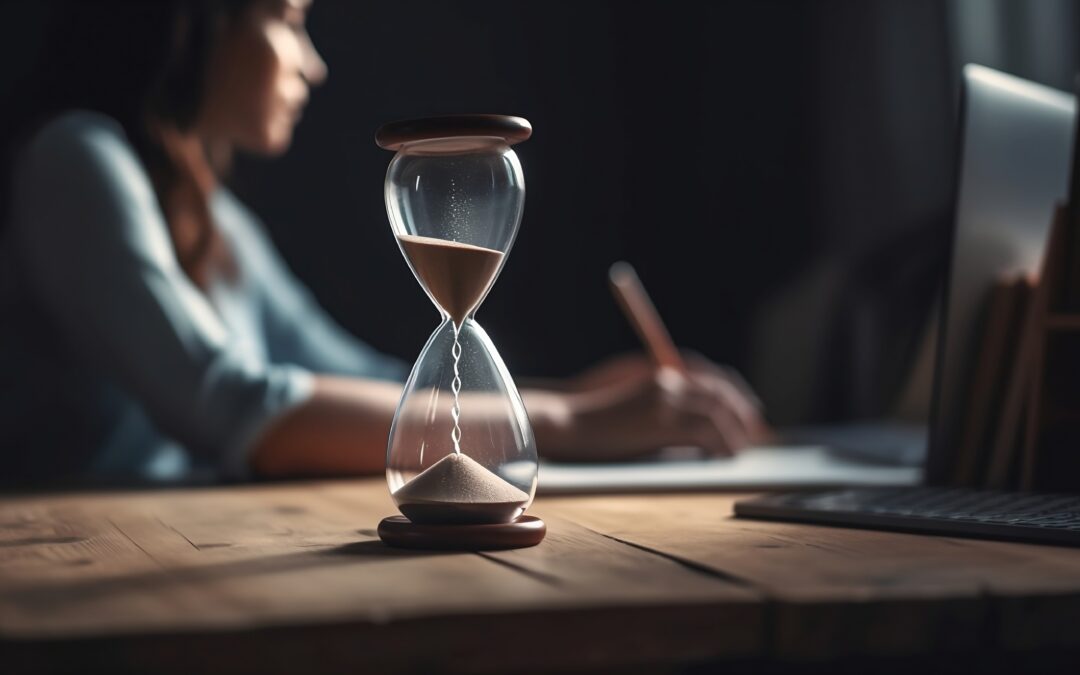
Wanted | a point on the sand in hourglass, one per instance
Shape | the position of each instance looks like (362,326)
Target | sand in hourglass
(457,275)
(458,489)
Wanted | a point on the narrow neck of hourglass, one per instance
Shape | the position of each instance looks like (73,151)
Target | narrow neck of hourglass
(459,302)
(457,323)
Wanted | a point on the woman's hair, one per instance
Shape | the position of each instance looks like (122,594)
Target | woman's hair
(143,63)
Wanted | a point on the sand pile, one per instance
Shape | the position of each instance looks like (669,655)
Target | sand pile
(457,488)
(458,478)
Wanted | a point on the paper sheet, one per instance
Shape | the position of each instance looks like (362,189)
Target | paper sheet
(765,467)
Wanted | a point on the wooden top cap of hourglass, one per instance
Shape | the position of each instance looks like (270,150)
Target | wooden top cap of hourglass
(393,135)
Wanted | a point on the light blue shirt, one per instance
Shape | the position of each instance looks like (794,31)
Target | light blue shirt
(112,362)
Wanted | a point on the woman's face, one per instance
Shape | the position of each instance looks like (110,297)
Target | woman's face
(259,77)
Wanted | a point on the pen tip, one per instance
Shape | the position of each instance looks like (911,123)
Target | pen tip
(620,270)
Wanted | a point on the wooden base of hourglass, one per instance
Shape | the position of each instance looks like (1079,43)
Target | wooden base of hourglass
(401,532)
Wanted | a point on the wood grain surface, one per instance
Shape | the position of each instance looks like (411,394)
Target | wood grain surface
(261,578)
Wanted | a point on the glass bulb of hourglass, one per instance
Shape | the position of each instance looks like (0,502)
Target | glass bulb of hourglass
(461,448)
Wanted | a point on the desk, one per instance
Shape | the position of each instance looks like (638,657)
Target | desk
(271,578)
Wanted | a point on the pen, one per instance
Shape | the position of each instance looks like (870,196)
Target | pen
(642,315)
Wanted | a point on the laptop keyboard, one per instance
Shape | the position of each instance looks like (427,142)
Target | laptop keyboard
(1049,518)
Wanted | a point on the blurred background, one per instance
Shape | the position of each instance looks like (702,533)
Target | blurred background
(780,172)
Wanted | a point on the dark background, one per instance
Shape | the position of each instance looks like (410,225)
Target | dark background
(780,172)
(725,148)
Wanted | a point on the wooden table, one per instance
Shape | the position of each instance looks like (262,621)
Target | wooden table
(291,578)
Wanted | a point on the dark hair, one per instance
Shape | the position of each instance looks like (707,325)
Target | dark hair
(141,62)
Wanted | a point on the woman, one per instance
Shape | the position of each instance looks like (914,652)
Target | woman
(153,327)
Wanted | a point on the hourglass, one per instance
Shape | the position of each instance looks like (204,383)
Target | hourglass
(461,459)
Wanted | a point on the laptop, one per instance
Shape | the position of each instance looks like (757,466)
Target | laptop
(1014,155)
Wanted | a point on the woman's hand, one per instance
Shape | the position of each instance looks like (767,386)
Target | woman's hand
(626,407)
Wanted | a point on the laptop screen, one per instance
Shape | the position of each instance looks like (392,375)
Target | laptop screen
(1015,147)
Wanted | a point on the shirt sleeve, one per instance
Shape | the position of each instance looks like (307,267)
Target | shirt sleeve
(297,328)
(97,253)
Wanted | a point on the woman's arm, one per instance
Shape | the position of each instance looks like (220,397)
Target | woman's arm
(617,411)
(344,426)
(94,246)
